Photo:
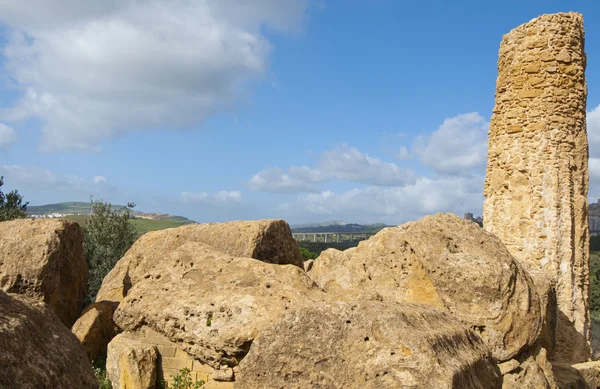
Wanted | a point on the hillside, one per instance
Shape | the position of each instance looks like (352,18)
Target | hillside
(336,226)
(80,208)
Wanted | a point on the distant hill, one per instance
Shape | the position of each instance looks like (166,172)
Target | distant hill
(337,226)
(80,208)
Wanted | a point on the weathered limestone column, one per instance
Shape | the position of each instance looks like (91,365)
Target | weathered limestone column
(537,174)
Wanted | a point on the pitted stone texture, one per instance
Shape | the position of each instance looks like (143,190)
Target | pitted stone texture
(537,174)
(266,240)
(213,304)
(448,263)
(368,344)
(37,350)
(43,259)
(171,359)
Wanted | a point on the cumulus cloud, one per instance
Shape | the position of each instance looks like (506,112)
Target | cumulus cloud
(218,198)
(457,146)
(403,154)
(99,179)
(8,136)
(94,70)
(36,177)
(391,204)
(277,180)
(341,163)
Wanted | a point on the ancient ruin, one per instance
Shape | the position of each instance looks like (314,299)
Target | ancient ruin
(537,174)
(436,303)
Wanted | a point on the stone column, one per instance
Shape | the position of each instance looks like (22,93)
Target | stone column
(537,174)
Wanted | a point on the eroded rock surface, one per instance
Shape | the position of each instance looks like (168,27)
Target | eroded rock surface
(448,263)
(266,240)
(537,174)
(131,364)
(213,304)
(43,259)
(37,351)
(533,372)
(368,344)
(95,328)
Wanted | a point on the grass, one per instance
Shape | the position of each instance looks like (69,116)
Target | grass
(141,225)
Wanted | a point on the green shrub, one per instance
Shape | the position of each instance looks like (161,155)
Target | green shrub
(183,380)
(107,236)
(11,205)
(100,373)
(307,254)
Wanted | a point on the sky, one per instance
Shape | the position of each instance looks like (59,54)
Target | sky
(365,111)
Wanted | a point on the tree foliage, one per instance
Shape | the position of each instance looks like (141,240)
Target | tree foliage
(11,205)
(307,254)
(107,236)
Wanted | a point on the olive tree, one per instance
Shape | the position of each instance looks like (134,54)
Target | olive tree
(11,205)
(108,234)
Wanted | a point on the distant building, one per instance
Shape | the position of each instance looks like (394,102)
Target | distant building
(469,216)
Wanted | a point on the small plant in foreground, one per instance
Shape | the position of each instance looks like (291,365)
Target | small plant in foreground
(183,380)
(100,373)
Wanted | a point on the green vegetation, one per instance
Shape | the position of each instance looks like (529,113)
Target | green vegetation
(183,380)
(108,234)
(100,373)
(317,247)
(307,254)
(144,225)
(141,225)
(11,205)
(72,207)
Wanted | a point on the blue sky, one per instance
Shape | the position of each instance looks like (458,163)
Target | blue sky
(306,110)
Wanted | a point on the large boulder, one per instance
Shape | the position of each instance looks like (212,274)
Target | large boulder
(448,263)
(43,259)
(37,351)
(533,371)
(213,304)
(95,328)
(368,344)
(267,240)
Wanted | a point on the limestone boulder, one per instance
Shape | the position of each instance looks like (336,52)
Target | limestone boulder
(368,344)
(568,377)
(266,240)
(43,259)
(95,328)
(37,351)
(131,364)
(590,371)
(448,263)
(213,304)
(533,372)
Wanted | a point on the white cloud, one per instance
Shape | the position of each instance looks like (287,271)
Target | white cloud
(391,205)
(457,146)
(277,180)
(99,179)
(342,163)
(403,154)
(35,177)
(219,198)
(8,136)
(93,70)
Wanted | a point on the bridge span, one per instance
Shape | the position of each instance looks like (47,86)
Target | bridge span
(336,237)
